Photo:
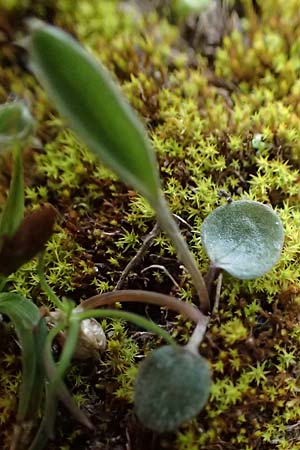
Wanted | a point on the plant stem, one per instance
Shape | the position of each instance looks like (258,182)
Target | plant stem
(13,212)
(109,298)
(197,336)
(140,321)
(68,349)
(168,224)
(210,278)
(218,293)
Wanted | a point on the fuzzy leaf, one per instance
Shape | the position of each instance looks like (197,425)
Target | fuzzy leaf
(171,387)
(85,95)
(245,238)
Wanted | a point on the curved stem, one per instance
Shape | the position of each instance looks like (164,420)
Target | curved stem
(68,350)
(140,321)
(197,336)
(168,224)
(109,298)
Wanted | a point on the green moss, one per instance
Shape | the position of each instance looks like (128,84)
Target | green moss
(60,267)
(202,118)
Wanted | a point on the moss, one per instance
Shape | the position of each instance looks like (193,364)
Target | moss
(230,122)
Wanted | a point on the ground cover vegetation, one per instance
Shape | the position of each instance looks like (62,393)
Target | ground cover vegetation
(222,117)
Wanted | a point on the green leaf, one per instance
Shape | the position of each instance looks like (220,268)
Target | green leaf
(245,238)
(13,212)
(55,373)
(41,438)
(56,389)
(85,95)
(171,387)
(31,330)
(16,124)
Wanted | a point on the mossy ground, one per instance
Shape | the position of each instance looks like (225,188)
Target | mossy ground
(203,106)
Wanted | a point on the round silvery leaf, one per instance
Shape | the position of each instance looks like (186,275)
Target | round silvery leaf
(244,238)
(171,387)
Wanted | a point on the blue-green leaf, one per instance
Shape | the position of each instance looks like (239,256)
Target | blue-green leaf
(171,387)
(245,238)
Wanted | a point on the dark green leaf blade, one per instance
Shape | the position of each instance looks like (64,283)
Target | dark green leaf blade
(171,387)
(244,238)
(86,96)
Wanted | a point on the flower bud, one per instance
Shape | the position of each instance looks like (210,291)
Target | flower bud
(16,123)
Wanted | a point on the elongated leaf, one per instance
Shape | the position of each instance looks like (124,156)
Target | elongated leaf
(245,238)
(57,371)
(41,438)
(31,330)
(94,107)
(13,212)
(86,96)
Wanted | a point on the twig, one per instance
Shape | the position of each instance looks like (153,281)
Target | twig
(218,293)
(210,278)
(164,269)
(138,257)
(180,219)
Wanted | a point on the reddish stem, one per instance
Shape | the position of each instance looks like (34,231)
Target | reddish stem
(109,298)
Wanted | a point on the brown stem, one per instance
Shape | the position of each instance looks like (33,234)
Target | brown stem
(138,257)
(109,298)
